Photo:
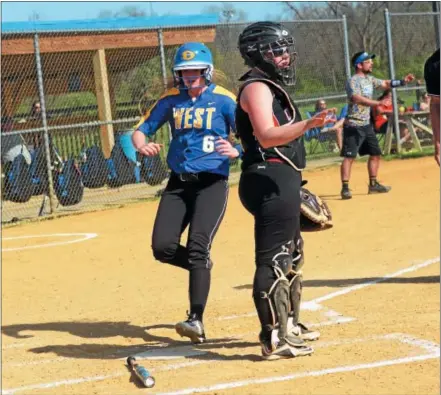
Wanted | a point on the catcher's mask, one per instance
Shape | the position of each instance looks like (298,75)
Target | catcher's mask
(261,42)
(192,56)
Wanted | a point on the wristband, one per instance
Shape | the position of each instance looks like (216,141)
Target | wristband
(396,83)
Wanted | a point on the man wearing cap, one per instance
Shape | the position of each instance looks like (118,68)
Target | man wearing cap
(358,132)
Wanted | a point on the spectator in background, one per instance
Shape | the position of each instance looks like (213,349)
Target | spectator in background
(36,110)
(381,115)
(418,92)
(36,139)
(424,103)
(337,127)
(431,76)
(404,131)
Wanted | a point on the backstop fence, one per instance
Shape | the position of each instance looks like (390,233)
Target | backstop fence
(69,108)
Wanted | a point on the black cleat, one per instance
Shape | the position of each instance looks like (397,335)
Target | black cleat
(191,328)
(378,188)
(346,194)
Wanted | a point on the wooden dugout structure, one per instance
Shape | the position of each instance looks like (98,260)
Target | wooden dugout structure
(92,49)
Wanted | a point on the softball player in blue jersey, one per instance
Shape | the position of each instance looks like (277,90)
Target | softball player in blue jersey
(201,116)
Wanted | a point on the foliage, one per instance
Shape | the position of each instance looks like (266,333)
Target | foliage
(227,12)
(320,64)
(126,11)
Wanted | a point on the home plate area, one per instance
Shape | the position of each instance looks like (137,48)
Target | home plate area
(233,362)
(360,354)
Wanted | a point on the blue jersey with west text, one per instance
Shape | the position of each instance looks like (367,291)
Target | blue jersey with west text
(195,126)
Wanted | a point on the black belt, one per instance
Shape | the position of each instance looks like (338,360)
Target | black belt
(188,177)
(195,177)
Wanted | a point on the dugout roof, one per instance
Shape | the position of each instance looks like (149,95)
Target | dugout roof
(68,47)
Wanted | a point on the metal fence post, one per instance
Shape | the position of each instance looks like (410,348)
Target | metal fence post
(346,47)
(162,57)
(163,69)
(392,77)
(44,121)
(435,8)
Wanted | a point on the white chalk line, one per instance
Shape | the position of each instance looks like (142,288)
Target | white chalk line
(379,280)
(160,352)
(315,373)
(94,378)
(188,351)
(313,304)
(333,318)
(336,318)
(36,362)
(432,348)
(85,236)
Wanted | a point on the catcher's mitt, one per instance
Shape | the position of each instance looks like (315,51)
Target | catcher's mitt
(314,212)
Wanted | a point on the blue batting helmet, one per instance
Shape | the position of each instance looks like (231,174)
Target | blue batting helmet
(193,56)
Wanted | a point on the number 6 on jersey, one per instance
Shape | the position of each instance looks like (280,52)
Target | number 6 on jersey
(208,144)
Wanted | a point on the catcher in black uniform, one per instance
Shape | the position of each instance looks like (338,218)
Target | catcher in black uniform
(270,128)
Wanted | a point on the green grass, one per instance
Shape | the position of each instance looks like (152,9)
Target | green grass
(427,151)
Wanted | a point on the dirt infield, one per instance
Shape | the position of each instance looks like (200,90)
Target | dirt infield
(86,293)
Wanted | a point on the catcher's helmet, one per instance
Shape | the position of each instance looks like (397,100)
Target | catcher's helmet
(193,56)
(260,42)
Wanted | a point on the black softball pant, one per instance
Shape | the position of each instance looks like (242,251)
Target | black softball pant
(201,204)
(271,193)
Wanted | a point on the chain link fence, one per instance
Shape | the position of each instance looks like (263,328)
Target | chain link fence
(411,39)
(72,98)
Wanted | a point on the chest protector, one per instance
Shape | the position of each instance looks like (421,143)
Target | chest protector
(284,112)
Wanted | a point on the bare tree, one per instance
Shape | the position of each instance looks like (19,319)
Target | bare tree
(105,14)
(128,11)
(365,19)
(366,26)
(227,12)
(35,16)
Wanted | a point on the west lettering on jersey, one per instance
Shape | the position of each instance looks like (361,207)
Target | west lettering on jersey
(177,115)
(189,118)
